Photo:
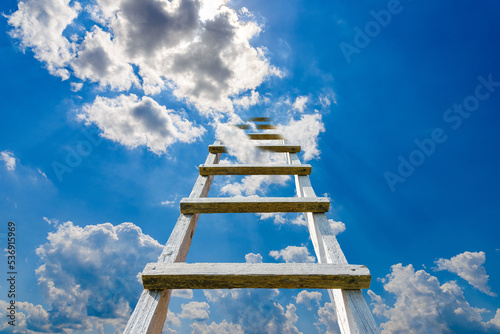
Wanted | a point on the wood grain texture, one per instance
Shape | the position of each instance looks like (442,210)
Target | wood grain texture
(254,275)
(272,148)
(253,204)
(245,169)
(151,310)
(265,136)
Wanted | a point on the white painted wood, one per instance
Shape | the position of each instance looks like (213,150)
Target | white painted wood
(254,204)
(246,169)
(255,275)
(353,313)
(151,310)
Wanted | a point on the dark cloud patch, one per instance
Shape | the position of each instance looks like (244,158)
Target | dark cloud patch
(150,115)
(148,25)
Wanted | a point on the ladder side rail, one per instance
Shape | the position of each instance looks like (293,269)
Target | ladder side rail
(353,313)
(151,310)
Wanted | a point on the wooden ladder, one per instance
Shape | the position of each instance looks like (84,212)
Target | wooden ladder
(332,271)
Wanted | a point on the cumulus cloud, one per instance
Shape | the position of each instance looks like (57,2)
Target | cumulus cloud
(300,103)
(237,142)
(328,319)
(422,304)
(253,258)
(195,311)
(254,310)
(293,254)
(337,227)
(253,184)
(469,266)
(92,271)
(39,25)
(281,218)
(222,328)
(199,50)
(308,297)
(29,317)
(277,217)
(305,132)
(100,60)
(8,159)
(172,320)
(183,293)
(133,122)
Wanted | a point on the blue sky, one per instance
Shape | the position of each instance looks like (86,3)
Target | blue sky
(108,108)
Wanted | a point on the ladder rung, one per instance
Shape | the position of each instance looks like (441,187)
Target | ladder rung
(259,119)
(259,126)
(265,136)
(254,204)
(266,126)
(285,169)
(273,148)
(159,276)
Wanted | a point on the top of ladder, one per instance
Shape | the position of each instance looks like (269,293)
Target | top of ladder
(332,271)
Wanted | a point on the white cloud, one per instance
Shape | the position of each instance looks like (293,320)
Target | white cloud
(337,227)
(52,221)
(183,293)
(255,310)
(237,142)
(293,254)
(278,217)
(76,86)
(172,320)
(101,60)
(168,203)
(134,122)
(281,218)
(469,266)
(222,328)
(198,50)
(495,321)
(9,160)
(253,258)
(92,271)
(305,132)
(252,184)
(327,318)
(28,317)
(422,304)
(195,311)
(248,100)
(307,297)
(39,25)
(300,103)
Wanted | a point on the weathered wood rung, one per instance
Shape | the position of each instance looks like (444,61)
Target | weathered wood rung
(265,136)
(243,169)
(254,204)
(158,276)
(259,126)
(243,126)
(259,119)
(273,148)
(266,126)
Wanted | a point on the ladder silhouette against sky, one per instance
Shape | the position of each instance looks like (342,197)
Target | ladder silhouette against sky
(332,271)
